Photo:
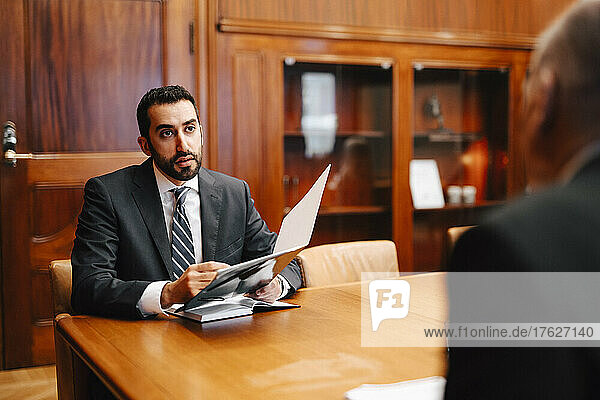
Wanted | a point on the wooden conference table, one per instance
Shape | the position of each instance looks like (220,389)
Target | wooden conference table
(312,352)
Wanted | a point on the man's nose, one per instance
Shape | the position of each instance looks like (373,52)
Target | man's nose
(182,142)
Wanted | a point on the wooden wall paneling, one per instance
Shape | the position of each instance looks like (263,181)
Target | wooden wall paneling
(181,41)
(508,23)
(89,67)
(209,66)
(53,211)
(13,107)
(43,342)
(248,114)
(47,216)
(224,158)
(402,215)
(13,69)
(272,143)
(202,63)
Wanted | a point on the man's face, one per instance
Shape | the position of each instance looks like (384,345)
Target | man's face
(175,140)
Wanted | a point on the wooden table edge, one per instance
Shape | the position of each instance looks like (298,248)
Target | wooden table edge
(119,384)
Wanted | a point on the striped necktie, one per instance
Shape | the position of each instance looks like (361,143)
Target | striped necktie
(182,245)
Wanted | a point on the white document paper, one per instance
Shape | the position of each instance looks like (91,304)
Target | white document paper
(294,234)
(297,227)
(425,184)
(431,388)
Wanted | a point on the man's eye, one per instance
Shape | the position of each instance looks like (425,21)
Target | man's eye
(190,128)
(166,133)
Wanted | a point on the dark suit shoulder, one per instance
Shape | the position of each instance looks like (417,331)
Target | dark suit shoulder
(555,230)
(121,175)
(556,208)
(221,180)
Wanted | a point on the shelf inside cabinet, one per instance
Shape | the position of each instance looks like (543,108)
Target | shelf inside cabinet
(352,210)
(342,133)
(489,204)
(445,136)
(347,210)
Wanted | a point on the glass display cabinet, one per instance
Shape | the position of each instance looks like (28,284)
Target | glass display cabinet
(340,114)
(461,123)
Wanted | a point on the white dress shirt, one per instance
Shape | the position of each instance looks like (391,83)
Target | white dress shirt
(191,205)
(149,302)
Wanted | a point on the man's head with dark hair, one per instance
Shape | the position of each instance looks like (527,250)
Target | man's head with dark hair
(170,132)
(160,95)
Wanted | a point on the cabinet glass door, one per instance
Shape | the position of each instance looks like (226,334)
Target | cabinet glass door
(340,114)
(461,134)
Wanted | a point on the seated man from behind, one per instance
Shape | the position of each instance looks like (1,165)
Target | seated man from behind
(555,229)
(153,235)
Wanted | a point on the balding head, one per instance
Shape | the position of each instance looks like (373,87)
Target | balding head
(570,45)
(562,96)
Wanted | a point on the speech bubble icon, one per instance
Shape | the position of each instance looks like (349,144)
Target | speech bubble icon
(389,300)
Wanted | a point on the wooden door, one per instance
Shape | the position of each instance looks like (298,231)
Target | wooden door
(72,75)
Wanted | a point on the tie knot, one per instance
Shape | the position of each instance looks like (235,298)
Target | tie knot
(180,193)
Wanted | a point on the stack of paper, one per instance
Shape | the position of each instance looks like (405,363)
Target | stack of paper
(431,388)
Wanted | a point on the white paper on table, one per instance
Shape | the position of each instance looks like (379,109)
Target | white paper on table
(431,388)
(297,227)
(425,184)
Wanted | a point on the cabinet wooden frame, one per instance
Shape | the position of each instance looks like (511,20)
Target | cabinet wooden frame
(264,170)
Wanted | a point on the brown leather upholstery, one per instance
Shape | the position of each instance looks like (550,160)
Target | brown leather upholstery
(452,235)
(343,262)
(60,282)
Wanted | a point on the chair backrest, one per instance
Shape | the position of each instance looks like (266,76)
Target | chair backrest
(330,264)
(60,282)
(452,235)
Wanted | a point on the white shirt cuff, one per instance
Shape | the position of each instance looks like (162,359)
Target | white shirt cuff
(285,286)
(149,303)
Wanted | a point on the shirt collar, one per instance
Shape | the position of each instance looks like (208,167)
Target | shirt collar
(164,185)
(578,161)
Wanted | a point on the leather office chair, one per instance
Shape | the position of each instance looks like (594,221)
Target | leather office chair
(452,235)
(343,262)
(60,282)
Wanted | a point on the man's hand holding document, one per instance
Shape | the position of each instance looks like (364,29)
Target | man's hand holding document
(225,296)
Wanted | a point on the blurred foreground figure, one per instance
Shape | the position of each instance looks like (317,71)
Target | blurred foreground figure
(555,229)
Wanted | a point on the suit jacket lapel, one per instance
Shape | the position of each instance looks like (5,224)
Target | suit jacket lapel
(146,196)
(210,213)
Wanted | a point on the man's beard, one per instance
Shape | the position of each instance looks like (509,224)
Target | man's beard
(168,165)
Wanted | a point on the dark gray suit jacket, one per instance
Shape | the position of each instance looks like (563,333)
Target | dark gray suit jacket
(558,230)
(121,243)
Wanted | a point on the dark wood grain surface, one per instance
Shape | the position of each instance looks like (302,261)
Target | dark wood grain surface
(507,23)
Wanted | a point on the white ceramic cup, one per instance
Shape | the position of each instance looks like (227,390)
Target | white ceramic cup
(468,194)
(455,194)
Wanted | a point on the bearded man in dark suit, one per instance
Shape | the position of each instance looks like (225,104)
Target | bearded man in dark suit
(554,229)
(123,263)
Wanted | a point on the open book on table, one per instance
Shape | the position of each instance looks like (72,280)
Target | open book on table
(224,296)
(236,306)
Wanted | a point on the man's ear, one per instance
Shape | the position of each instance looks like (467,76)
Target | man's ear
(544,103)
(144,145)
